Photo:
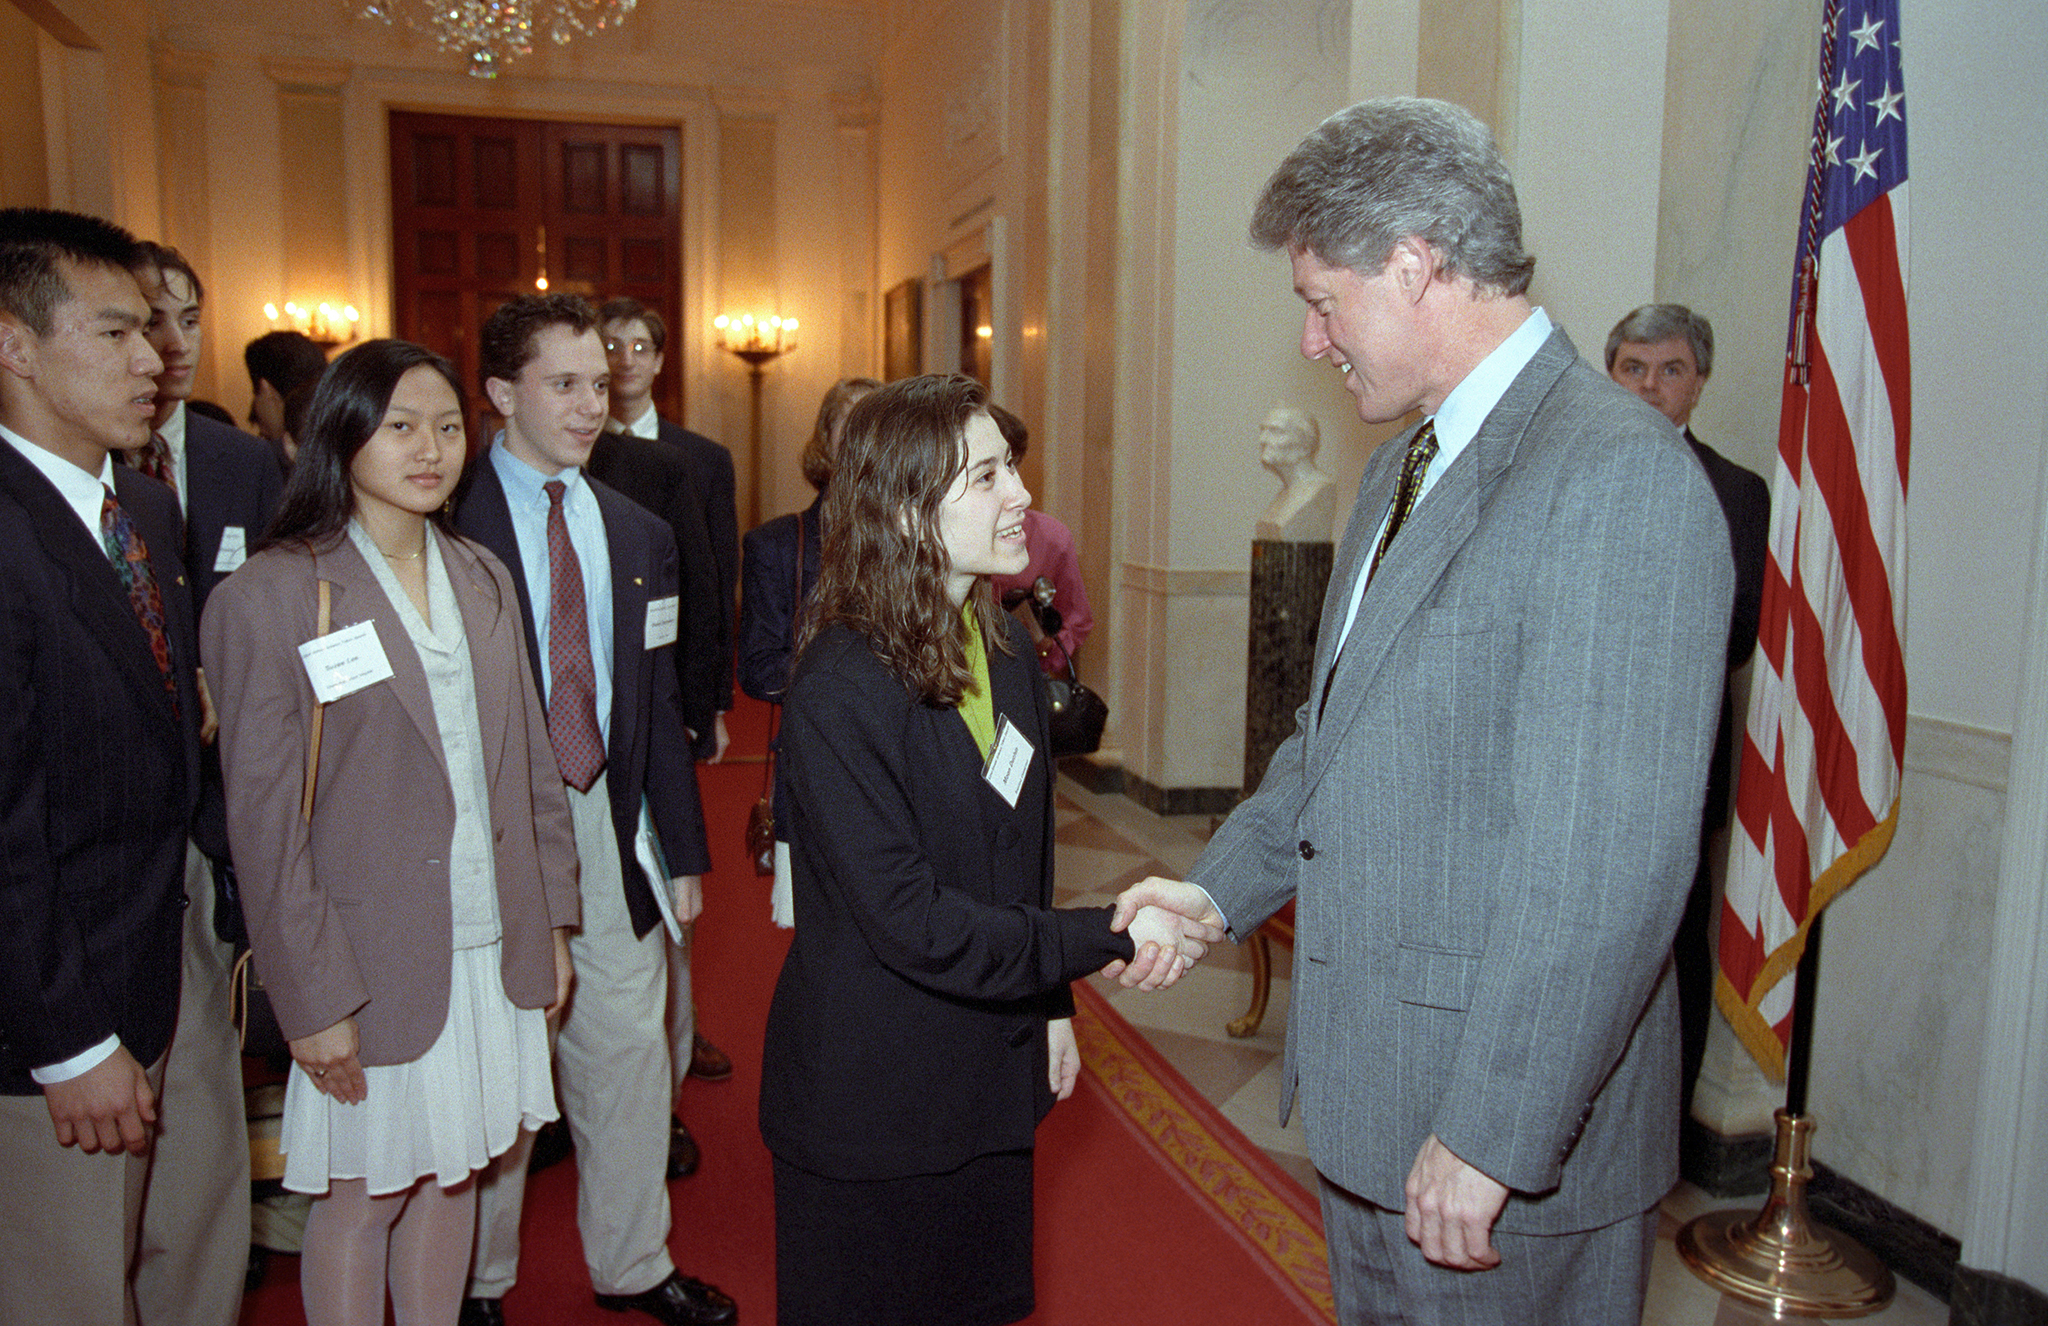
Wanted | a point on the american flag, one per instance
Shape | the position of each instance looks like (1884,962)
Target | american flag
(1818,796)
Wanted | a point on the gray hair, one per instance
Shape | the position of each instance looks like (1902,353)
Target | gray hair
(1391,169)
(1661,322)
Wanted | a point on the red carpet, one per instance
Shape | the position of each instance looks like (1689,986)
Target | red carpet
(1148,1200)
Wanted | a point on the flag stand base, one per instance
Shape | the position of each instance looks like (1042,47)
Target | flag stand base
(1781,1258)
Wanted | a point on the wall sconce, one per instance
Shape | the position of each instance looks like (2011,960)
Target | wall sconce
(758,342)
(326,325)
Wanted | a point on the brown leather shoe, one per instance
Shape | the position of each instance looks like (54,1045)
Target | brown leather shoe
(709,1062)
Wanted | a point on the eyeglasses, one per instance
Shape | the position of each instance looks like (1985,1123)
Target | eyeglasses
(636,346)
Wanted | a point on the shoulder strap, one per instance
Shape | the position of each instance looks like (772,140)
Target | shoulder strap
(319,712)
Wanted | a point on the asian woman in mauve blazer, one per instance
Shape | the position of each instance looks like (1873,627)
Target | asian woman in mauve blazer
(411,934)
(922,1024)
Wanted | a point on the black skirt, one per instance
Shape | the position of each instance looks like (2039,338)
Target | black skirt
(931,1250)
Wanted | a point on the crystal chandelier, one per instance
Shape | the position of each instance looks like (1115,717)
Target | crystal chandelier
(493,32)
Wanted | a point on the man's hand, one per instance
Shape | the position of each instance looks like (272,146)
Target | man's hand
(1064,1057)
(687,892)
(1154,967)
(329,1058)
(1168,944)
(209,718)
(109,1107)
(1451,1209)
(565,972)
(720,740)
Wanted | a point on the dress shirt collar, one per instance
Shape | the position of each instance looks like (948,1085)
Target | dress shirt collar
(648,425)
(173,431)
(79,489)
(524,484)
(1459,418)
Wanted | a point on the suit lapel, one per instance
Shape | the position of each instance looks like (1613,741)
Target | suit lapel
(1009,682)
(1416,561)
(482,512)
(630,568)
(97,596)
(1375,493)
(483,617)
(358,597)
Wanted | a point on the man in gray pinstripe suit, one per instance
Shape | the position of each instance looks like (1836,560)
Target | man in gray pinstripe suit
(1489,810)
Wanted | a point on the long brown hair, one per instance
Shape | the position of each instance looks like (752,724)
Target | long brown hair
(884,566)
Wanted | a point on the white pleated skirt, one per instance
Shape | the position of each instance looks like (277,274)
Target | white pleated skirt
(446,1113)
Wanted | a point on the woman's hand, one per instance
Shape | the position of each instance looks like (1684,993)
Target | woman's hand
(329,1058)
(1064,1055)
(565,971)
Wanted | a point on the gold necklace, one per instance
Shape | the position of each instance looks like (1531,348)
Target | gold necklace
(407,557)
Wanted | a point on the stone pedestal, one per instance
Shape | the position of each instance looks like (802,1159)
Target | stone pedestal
(1288,580)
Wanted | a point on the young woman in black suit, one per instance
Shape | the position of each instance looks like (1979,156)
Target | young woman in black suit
(922,1024)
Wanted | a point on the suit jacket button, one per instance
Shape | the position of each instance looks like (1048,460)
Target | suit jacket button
(1308,850)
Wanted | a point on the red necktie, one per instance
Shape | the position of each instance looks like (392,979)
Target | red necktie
(130,554)
(156,462)
(572,692)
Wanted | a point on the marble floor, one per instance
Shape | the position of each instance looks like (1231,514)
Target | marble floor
(1105,842)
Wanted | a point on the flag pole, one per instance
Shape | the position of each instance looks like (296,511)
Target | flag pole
(1781,1257)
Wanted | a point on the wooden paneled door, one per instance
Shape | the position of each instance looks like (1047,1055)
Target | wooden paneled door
(483,209)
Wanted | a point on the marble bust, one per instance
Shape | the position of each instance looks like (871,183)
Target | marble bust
(1302,510)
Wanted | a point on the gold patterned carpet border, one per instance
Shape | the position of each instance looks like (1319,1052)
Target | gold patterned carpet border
(1260,1202)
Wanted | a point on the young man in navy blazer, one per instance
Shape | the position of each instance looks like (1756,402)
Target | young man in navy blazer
(99,772)
(527,499)
(635,340)
(194,1253)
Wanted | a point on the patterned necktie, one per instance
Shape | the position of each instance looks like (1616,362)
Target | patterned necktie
(130,555)
(572,692)
(1421,451)
(155,461)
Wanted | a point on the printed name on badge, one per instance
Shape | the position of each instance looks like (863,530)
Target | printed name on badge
(1009,759)
(234,550)
(345,661)
(661,621)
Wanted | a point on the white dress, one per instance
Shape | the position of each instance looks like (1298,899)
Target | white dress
(448,1112)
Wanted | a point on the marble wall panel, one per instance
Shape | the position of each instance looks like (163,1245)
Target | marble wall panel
(1905,955)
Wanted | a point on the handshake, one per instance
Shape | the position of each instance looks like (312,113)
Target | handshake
(1172,923)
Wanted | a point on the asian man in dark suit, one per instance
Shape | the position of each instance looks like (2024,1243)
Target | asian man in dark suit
(1488,813)
(99,771)
(1664,354)
(598,579)
(195,1248)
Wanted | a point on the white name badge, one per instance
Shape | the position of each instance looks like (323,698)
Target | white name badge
(234,550)
(345,661)
(1008,761)
(661,621)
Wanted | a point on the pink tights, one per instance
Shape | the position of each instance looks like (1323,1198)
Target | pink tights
(416,1241)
